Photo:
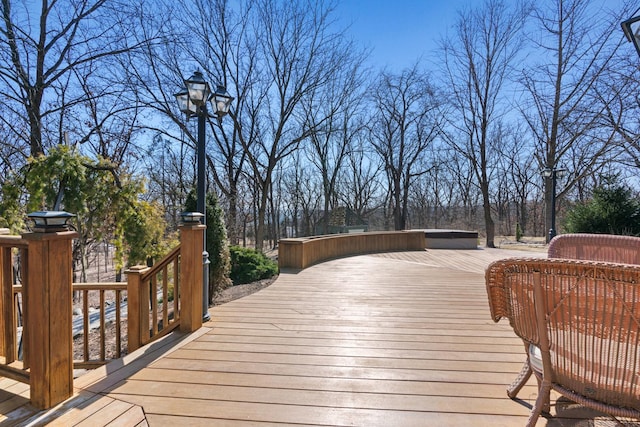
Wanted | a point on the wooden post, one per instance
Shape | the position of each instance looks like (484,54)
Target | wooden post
(191,271)
(49,305)
(137,308)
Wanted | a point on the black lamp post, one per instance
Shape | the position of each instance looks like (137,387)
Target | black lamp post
(192,101)
(631,28)
(554,174)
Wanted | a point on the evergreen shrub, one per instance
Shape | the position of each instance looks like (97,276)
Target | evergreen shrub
(613,209)
(249,265)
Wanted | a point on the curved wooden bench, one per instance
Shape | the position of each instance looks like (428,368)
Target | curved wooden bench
(300,253)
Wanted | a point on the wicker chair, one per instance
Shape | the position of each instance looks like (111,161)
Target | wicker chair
(580,323)
(584,246)
(596,247)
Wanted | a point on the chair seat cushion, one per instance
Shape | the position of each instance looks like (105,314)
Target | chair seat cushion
(535,358)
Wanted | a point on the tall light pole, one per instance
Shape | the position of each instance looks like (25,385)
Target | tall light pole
(554,174)
(192,101)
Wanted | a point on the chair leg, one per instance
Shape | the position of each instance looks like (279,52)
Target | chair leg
(542,401)
(520,381)
(546,405)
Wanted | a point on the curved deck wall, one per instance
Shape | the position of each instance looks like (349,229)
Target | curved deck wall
(302,252)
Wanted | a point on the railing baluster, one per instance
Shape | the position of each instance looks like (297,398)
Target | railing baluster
(154,303)
(165,298)
(85,323)
(24,273)
(176,289)
(7,328)
(118,326)
(102,326)
(16,321)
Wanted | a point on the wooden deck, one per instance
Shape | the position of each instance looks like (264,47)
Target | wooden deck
(398,339)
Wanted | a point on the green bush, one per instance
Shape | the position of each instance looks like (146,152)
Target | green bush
(612,210)
(249,265)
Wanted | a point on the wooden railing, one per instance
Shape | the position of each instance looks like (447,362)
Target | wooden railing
(110,309)
(35,281)
(13,256)
(111,297)
(302,252)
(153,313)
(154,300)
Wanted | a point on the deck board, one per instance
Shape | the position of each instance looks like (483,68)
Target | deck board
(399,339)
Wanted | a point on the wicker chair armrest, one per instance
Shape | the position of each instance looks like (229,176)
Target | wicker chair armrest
(509,285)
(596,247)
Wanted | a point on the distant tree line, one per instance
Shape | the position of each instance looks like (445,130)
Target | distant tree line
(457,140)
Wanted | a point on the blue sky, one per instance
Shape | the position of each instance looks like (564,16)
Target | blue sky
(399,32)
(402,31)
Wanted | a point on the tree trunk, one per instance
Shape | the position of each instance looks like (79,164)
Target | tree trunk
(262,210)
(232,220)
(488,221)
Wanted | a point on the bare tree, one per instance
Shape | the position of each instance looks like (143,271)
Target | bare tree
(304,190)
(466,189)
(361,190)
(432,195)
(566,87)
(44,51)
(623,113)
(297,53)
(522,177)
(477,62)
(404,124)
(12,155)
(169,167)
(334,111)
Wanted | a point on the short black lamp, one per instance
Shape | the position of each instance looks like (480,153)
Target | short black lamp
(191,218)
(631,28)
(50,221)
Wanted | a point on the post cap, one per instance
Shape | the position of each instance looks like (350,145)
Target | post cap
(50,221)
